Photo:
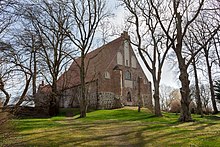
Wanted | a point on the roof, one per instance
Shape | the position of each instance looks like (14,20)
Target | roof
(95,62)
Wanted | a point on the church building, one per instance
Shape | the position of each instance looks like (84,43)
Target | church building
(114,78)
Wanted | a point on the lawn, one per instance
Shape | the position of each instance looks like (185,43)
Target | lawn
(119,127)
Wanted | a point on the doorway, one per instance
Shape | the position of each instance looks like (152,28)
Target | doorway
(129,96)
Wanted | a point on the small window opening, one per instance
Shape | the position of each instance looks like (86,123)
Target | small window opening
(127,75)
(126,62)
(129,97)
(107,75)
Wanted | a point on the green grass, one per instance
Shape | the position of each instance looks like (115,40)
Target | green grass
(120,127)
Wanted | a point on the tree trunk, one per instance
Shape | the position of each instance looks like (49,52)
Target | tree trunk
(52,105)
(24,92)
(211,82)
(83,104)
(7,96)
(157,99)
(2,88)
(185,115)
(198,98)
(54,100)
(83,111)
(212,91)
(34,75)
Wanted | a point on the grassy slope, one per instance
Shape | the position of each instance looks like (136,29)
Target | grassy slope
(117,127)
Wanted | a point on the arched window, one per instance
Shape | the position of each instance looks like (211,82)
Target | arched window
(129,97)
(133,62)
(145,81)
(119,58)
(126,53)
(107,75)
(127,75)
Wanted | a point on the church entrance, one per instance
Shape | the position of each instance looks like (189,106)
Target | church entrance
(129,96)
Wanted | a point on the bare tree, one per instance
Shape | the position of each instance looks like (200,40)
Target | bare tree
(192,47)
(150,41)
(105,29)
(18,64)
(49,20)
(211,86)
(201,34)
(205,97)
(7,18)
(182,14)
(25,71)
(4,71)
(165,95)
(85,17)
(28,40)
(216,44)
(198,98)
(7,15)
(217,90)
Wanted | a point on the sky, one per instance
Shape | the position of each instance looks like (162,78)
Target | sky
(170,73)
(169,76)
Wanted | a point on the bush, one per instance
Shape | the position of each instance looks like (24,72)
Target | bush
(175,106)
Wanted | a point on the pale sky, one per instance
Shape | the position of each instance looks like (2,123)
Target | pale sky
(169,77)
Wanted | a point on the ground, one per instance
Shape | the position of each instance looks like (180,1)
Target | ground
(119,127)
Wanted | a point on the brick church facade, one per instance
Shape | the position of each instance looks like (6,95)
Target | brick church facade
(113,78)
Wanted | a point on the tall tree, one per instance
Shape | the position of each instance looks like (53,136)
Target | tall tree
(198,98)
(150,41)
(48,19)
(192,48)
(22,67)
(4,71)
(165,92)
(7,15)
(18,66)
(182,14)
(28,40)
(205,97)
(201,34)
(85,18)
(217,90)
(7,18)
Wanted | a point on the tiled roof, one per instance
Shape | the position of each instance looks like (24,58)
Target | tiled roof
(94,64)
(96,61)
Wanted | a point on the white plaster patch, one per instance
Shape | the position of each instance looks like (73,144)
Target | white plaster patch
(128,83)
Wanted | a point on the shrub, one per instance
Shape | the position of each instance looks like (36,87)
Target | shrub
(175,106)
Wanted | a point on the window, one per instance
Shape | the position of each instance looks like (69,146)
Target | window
(129,97)
(126,53)
(119,58)
(133,62)
(126,62)
(145,81)
(127,75)
(107,75)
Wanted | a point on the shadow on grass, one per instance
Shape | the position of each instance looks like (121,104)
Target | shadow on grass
(124,136)
(107,127)
(213,117)
(73,111)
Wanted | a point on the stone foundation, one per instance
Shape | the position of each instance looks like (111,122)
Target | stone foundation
(108,100)
(102,100)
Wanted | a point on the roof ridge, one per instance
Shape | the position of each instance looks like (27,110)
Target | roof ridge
(107,44)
